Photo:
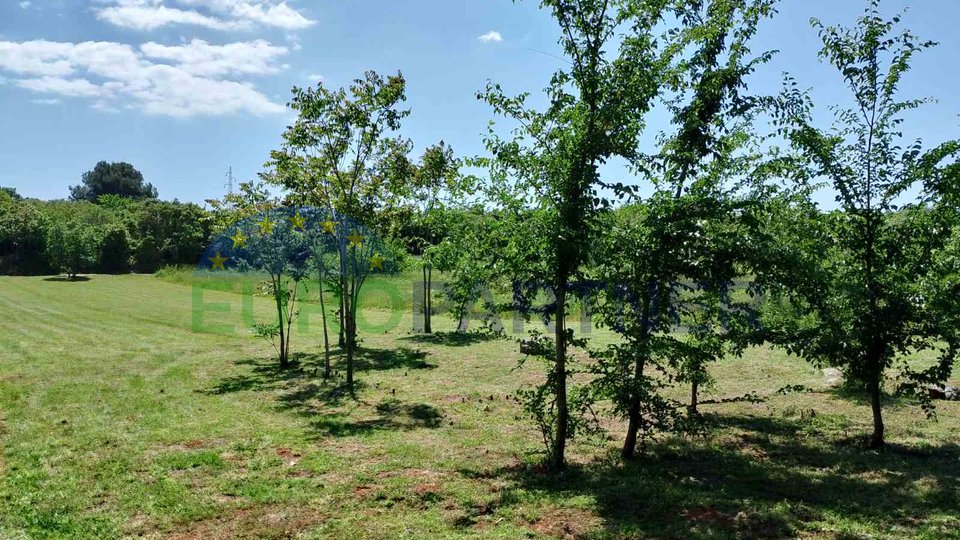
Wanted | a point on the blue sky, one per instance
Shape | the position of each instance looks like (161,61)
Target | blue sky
(184,89)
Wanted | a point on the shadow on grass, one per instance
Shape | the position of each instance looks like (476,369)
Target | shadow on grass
(67,278)
(327,404)
(854,393)
(383,359)
(756,480)
(451,339)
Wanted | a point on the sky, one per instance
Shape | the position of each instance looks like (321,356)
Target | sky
(185,89)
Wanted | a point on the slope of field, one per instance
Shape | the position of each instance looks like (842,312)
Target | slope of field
(119,419)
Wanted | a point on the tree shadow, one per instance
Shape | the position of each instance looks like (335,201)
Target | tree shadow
(301,390)
(67,279)
(451,339)
(263,375)
(759,480)
(384,359)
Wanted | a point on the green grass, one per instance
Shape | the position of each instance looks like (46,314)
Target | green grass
(118,420)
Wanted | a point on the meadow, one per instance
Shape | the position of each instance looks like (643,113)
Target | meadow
(119,419)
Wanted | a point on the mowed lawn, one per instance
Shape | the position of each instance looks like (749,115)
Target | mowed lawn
(117,419)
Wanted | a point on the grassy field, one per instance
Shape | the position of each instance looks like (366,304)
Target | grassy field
(118,419)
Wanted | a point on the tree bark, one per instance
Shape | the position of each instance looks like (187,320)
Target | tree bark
(557,461)
(326,337)
(341,340)
(629,450)
(694,397)
(280,324)
(428,301)
(876,440)
(351,336)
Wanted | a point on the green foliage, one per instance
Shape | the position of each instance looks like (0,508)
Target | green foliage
(171,233)
(849,284)
(118,178)
(71,247)
(23,234)
(339,156)
(595,111)
(115,250)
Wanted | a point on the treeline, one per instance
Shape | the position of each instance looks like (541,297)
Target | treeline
(114,235)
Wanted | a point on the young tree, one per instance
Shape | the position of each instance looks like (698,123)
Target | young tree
(278,245)
(112,179)
(435,181)
(71,247)
(595,111)
(331,159)
(847,281)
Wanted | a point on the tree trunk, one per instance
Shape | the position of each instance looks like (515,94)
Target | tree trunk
(326,337)
(428,302)
(876,440)
(351,337)
(557,461)
(694,391)
(629,450)
(280,324)
(341,341)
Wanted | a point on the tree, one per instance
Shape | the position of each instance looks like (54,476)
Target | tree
(338,156)
(71,247)
(595,111)
(846,282)
(434,183)
(12,192)
(23,232)
(118,178)
(275,242)
(115,250)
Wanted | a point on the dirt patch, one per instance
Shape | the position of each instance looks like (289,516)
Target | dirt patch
(708,516)
(256,522)
(566,523)
(289,457)
(429,488)
(366,490)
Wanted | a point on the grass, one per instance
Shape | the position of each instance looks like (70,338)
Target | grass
(117,419)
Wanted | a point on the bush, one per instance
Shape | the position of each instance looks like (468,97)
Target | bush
(22,239)
(115,250)
(71,247)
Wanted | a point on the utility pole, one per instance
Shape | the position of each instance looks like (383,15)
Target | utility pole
(229,184)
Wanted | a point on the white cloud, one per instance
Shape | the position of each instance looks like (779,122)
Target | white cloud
(314,78)
(213,14)
(25,4)
(151,17)
(491,37)
(200,58)
(116,74)
(48,101)
(64,87)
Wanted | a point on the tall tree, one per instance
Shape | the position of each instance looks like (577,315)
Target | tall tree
(595,111)
(847,282)
(118,178)
(671,260)
(434,183)
(337,156)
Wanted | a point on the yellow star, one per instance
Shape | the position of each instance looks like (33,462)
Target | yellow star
(266,225)
(297,221)
(329,226)
(376,262)
(239,239)
(218,261)
(355,239)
